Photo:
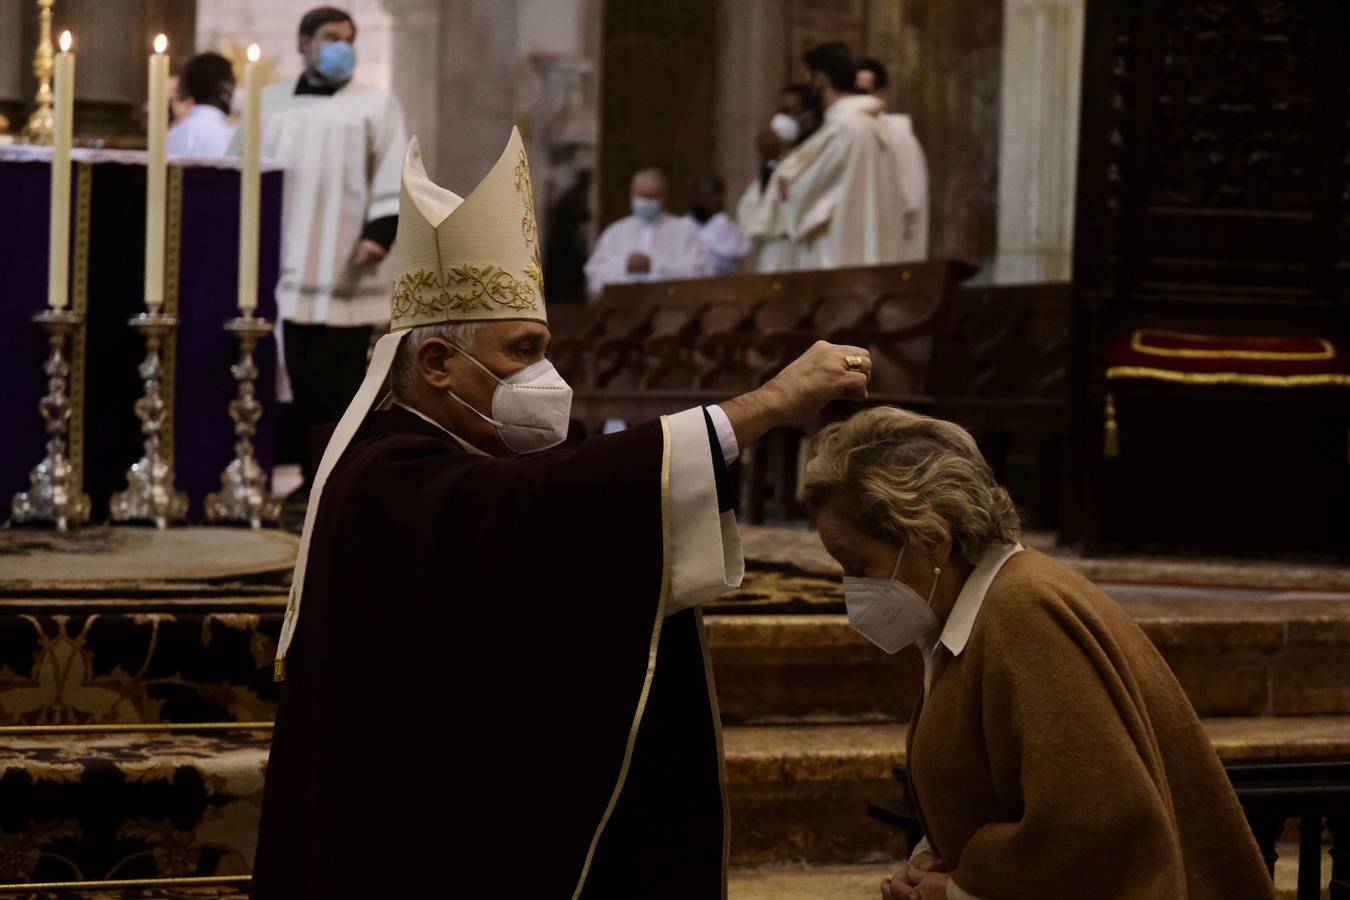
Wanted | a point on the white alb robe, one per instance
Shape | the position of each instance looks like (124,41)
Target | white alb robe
(342,155)
(204,132)
(844,203)
(724,242)
(914,183)
(672,243)
(759,216)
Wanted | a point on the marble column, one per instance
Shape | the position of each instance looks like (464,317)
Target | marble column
(414,67)
(751,71)
(1042,70)
(14,59)
(476,88)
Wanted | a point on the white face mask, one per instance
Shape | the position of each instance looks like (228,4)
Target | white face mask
(787,128)
(887,612)
(530,410)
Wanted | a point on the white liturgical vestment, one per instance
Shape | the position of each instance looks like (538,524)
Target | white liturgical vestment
(913,182)
(724,242)
(838,196)
(342,155)
(761,218)
(673,244)
(204,131)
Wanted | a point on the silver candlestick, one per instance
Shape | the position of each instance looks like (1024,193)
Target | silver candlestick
(150,495)
(54,495)
(244,494)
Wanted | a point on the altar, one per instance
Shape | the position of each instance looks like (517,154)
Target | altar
(107,259)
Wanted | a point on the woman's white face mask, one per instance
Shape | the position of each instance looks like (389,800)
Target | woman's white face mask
(530,409)
(888,612)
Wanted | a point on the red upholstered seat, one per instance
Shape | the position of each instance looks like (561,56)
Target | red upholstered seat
(1207,359)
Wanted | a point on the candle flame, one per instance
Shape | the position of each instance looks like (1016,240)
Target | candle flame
(254,52)
(65,42)
(161,43)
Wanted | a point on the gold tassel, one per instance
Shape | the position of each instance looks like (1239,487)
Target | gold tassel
(1111,442)
(279,670)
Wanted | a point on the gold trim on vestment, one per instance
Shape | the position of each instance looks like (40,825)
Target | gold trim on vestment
(131,728)
(721,748)
(1243,378)
(84,183)
(663,598)
(1137,344)
(201,880)
(173,241)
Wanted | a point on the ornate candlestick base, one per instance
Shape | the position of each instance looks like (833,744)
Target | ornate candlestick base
(150,495)
(244,494)
(54,496)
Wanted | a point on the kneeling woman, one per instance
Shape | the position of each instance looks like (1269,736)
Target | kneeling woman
(1053,754)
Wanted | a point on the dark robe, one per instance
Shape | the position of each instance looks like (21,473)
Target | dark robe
(469,672)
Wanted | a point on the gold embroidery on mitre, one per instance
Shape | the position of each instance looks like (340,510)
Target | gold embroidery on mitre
(528,226)
(526,191)
(463,289)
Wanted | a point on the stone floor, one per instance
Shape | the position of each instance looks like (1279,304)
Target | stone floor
(863,882)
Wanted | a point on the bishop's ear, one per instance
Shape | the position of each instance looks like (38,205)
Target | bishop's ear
(433,358)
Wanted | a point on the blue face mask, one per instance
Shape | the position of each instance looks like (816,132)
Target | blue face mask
(646,209)
(337,61)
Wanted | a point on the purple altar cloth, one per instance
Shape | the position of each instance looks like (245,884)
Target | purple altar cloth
(208,254)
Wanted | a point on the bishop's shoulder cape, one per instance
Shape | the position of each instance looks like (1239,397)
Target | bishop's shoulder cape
(488,695)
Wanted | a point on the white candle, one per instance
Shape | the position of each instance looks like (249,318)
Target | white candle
(156,134)
(63,129)
(249,185)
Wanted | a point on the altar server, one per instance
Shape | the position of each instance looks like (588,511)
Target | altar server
(496,685)
(873,79)
(837,196)
(200,106)
(340,141)
(650,244)
(723,241)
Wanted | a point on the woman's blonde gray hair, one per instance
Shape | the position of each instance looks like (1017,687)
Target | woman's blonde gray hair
(909,477)
(403,374)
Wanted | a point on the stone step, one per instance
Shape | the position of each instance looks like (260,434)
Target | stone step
(1236,652)
(192,658)
(799,793)
(79,807)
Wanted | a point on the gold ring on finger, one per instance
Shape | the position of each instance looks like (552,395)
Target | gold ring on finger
(853,363)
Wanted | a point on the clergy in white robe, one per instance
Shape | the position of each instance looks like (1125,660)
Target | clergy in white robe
(341,151)
(341,142)
(837,196)
(873,79)
(200,103)
(723,240)
(797,118)
(649,245)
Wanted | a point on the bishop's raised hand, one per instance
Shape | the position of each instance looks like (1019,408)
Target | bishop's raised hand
(824,373)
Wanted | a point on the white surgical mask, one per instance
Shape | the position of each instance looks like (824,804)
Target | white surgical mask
(787,128)
(887,612)
(530,409)
(646,209)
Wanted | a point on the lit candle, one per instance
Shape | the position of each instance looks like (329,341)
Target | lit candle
(249,181)
(156,134)
(63,128)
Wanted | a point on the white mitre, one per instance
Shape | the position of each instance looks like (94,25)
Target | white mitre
(458,260)
(468,260)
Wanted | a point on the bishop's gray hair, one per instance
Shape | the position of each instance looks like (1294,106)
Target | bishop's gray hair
(403,376)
